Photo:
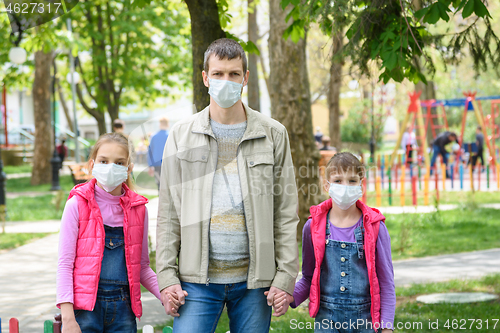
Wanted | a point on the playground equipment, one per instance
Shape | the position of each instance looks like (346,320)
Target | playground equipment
(55,326)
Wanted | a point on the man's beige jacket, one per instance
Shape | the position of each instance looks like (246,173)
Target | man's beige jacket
(269,198)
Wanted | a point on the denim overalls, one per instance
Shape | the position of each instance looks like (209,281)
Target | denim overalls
(112,312)
(344,287)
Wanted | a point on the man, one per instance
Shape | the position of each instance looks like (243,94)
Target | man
(119,126)
(227,216)
(318,136)
(438,147)
(155,150)
(480,148)
(326,144)
(62,150)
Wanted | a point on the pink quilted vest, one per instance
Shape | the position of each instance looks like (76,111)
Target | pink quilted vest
(371,223)
(90,245)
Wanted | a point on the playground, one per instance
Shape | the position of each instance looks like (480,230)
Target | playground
(401,179)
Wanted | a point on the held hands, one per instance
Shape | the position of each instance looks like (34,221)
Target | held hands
(151,171)
(172,298)
(279,299)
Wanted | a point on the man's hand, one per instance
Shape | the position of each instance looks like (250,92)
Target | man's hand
(279,299)
(172,298)
(151,171)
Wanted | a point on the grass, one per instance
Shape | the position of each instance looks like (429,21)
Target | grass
(443,232)
(37,208)
(409,311)
(10,241)
(24,185)
(10,169)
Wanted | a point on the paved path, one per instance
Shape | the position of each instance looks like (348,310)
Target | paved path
(27,277)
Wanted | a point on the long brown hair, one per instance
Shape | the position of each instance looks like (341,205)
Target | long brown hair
(115,138)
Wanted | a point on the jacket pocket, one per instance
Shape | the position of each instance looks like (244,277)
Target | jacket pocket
(113,243)
(260,173)
(194,166)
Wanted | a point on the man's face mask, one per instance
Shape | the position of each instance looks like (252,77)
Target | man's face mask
(225,93)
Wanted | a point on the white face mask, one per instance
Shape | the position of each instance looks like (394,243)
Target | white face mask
(345,196)
(225,93)
(110,176)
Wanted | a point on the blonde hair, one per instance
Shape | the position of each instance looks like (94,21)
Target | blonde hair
(119,139)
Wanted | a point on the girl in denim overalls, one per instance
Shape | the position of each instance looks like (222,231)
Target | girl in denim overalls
(103,246)
(346,257)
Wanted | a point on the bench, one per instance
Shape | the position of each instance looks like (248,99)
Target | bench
(79,173)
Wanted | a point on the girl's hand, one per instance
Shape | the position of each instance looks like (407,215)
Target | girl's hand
(71,326)
(386,330)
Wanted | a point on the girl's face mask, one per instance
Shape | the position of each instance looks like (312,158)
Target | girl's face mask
(110,175)
(345,196)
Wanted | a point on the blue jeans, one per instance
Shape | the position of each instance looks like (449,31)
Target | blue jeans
(438,151)
(247,309)
(112,312)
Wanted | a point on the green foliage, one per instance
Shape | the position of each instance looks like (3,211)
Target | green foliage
(394,33)
(357,126)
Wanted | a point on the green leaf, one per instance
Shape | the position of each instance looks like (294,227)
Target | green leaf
(420,13)
(480,9)
(459,4)
(432,15)
(443,11)
(422,77)
(391,61)
(284,3)
(468,9)
(295,2)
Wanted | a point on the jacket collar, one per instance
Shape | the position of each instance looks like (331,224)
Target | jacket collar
(86,191)
(254,126)
(370,215)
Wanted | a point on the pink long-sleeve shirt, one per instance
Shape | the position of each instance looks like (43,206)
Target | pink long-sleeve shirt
(112,215)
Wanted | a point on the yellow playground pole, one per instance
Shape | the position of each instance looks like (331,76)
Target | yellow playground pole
(403,167)
(426,187)
(378,191)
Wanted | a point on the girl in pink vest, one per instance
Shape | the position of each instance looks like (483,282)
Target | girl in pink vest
(346,258)
(103,246)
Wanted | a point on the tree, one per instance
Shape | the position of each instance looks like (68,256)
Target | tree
(291,105)
(44,138)
(205,28)
(253,36)
(136,54)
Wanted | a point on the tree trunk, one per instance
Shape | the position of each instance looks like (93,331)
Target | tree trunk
(94,112)
(205,28)
(63,102)
(333,96)
(44,138)
(253,35)
(291,105)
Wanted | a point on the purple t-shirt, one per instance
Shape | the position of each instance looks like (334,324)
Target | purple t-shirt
(383,259)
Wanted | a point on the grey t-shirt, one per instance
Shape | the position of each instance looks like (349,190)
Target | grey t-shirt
(229,253)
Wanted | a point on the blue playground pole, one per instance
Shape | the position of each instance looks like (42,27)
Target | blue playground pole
(451,173)
(461,170)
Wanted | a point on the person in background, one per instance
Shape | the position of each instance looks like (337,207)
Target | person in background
(119,126)
(408,144)
(62,150)
(480,148)
(155,150)
(326,144)
(438,147)
(318,136)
